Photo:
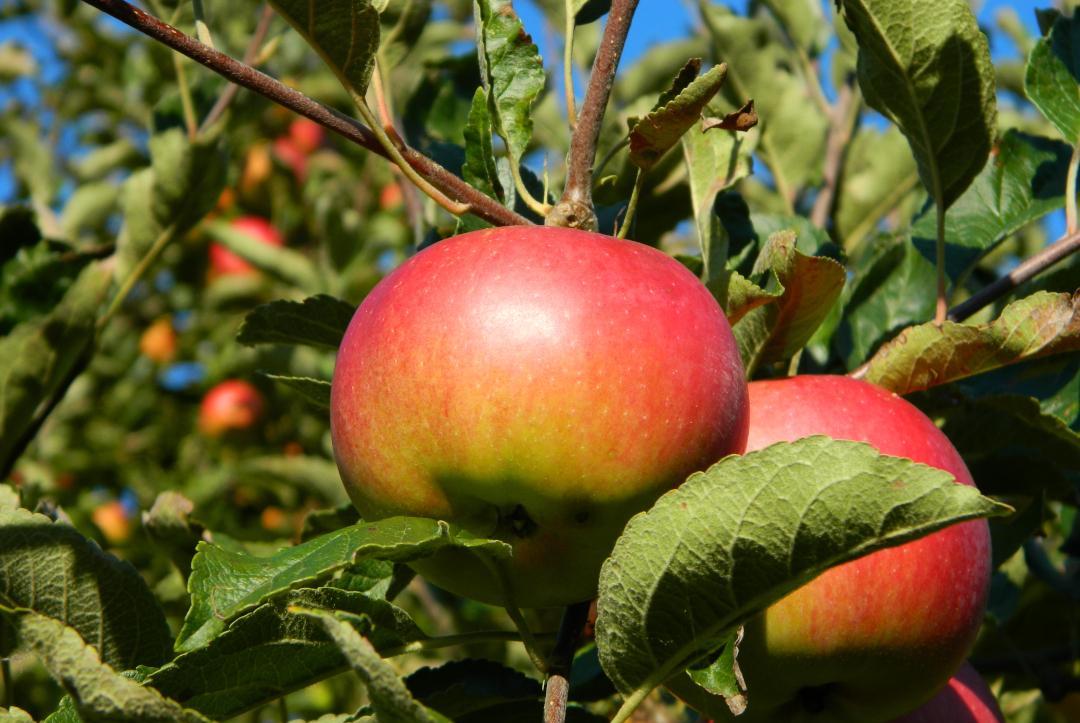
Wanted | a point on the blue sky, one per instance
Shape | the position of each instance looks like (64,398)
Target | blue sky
(656,21)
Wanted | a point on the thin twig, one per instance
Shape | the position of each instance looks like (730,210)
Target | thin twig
(1027,270)
(568,63)
(226,98)
(631,206)
(456,189)
(840,129)
(575,208)
(409,198)
(942,306)
(557,687)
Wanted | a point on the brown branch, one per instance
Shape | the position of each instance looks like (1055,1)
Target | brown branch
(575,208)
(1027,270)
(244,75)
(557,687)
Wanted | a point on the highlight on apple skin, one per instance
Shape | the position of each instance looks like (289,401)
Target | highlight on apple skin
(538,385)
(876,637)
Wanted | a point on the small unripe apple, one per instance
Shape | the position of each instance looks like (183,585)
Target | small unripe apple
(224,262)
(536,385)
(158,342)
(232,405)
(875,637)
(965,699)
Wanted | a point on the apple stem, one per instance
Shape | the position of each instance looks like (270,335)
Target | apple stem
(575,208)
(557,686)
(510,605)
(244,75)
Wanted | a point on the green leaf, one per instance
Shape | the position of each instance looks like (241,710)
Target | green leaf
(270,651)
(9,496)
(804,22)
(345,34)
(479,169)
(181,185)
(1011,446)
(925,65)
(805,288)
(878,173)
(739,295)
(1052,77)
(1022,182)
(65,712)
(928,355)
(50,569)
(511,71)
(225,584)
(89,207)
(14,715)
(103,160)
(409,25)
(722,676)
(32,158)
(392,701)
(42,356)
(314,391)
(732,540)
(318,321)
(288,265)
(462,688)
(678,109)
(98,692)
(760,66)
(315,475)
(35,279)
(892,287)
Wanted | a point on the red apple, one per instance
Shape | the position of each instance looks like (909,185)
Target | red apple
(306,135)
(158,342)
(873,638)
(224,262)
(966,699)
(538,385)
(232,405)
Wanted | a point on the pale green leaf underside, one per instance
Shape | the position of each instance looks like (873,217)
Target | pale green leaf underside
(927,355)
(925,65)
(734,539)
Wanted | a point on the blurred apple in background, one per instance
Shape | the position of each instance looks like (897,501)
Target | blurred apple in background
(232,405)
(158,342)
(224,262)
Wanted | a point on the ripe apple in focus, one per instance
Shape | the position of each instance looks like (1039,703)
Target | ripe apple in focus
(224,262)
(536,385)
(966,699)
(232,405)
(875,637)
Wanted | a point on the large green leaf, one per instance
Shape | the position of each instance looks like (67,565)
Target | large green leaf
(227,583)
(1052,77)
(42,356)
(269,651)
(925,65)
(50,569)
(318,321)
(928,355)
(511,71)
(181,185)
(97,691)
(479,169)
(345,33)
(1022,182)
(733,539)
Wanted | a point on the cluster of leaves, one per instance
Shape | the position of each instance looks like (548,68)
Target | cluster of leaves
(816,225)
